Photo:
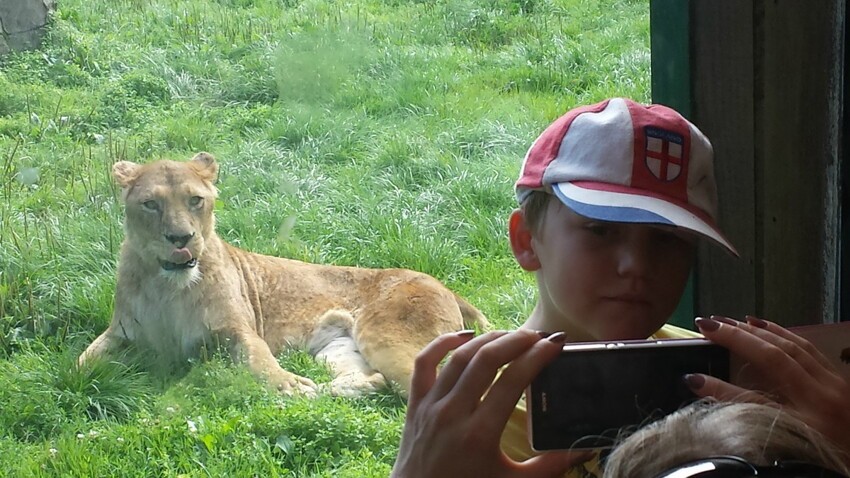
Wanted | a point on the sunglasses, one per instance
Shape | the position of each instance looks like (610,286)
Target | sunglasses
(735,467)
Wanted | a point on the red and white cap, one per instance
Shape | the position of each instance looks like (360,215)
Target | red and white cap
(621,161)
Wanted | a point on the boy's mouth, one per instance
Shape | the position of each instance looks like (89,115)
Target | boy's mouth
(634,299)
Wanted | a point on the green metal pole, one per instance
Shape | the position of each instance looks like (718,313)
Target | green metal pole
(669,26)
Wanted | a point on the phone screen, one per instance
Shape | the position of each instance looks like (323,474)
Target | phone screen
(588,394)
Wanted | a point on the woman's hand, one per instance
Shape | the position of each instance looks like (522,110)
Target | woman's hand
(451,430)
(792,372)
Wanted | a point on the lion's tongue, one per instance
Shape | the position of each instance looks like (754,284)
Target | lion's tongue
(180,256)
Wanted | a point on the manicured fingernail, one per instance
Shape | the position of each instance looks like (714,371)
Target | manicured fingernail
(543,334)
(694,381)
(557,337)
(725,320)
(756,322)
(465,333)
(707,325)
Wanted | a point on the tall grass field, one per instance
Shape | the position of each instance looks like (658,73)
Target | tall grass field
(373,133)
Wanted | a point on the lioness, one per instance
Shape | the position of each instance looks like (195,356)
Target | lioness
(180,287)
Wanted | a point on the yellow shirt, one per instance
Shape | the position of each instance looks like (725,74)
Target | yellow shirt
(515,442)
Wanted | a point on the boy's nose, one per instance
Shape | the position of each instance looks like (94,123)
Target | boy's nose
(634,260)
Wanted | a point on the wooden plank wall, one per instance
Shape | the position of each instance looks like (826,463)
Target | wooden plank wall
(722,105)
(767,88)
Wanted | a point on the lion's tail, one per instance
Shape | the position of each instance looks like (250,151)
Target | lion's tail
(472,317)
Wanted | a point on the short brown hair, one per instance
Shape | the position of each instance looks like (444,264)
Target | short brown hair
(534,209)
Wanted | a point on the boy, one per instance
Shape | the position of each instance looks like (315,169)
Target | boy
(613,197)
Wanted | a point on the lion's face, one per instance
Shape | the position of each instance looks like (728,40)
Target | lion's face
(169,211)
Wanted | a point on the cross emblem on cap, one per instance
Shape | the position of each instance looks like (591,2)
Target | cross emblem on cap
(663,153)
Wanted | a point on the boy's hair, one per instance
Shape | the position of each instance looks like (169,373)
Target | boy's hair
(620,161)
(759,434)
(534,210)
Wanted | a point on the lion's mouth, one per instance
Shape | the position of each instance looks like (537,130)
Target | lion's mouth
(173,266)
(180,259)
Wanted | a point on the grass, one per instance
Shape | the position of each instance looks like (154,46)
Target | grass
(377,133)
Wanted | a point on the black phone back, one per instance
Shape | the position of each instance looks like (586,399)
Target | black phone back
(591,391)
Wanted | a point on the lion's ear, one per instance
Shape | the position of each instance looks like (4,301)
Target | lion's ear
(124,172)
(206,167)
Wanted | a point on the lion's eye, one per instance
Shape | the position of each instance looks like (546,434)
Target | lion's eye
(196,201)
(150,205)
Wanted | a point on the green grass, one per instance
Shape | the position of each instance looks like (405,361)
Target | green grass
(377,133)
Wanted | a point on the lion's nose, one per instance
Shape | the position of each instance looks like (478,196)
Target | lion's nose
(179,241)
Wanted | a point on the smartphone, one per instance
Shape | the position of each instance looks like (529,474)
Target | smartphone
(593,390)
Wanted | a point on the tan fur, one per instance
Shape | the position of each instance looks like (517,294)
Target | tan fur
(368,324)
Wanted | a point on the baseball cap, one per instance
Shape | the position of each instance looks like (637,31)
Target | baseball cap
(621,161)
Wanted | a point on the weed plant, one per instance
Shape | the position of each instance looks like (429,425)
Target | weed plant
(375,133)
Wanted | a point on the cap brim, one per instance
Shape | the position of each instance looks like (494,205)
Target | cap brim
(605,202)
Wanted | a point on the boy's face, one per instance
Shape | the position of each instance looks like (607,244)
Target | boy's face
(601,280)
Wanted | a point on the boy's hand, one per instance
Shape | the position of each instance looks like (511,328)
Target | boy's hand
(800,379)
(450,431)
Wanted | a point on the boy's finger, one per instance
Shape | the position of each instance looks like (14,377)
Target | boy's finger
(425,365)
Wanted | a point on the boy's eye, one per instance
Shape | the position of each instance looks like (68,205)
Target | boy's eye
(150,205)
(670,237)
(598,229)
(662,236)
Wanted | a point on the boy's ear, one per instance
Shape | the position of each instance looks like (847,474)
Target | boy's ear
(520,235)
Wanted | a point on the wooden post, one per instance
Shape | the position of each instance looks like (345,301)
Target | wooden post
(768,89)
(723,81)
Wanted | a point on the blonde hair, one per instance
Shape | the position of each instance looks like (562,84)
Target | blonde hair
(760,434)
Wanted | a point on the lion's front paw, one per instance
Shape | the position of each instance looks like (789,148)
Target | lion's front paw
(290,384)
(355,385)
